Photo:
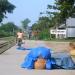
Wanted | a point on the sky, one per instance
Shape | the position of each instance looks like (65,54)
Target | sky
(27,9)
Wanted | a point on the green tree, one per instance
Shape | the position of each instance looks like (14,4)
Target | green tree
(8,29)
(25,23)
(64,8)
(34,26)
(5,7)
(42,27)
(42,23)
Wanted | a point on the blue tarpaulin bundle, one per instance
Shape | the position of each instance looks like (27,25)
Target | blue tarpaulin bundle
(67,63)
(51,62)
(22,48)
(64,60)
(34,54)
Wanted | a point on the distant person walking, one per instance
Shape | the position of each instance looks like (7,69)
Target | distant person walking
(19,38)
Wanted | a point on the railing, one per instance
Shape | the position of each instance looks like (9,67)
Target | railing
(5,45)
(56,31)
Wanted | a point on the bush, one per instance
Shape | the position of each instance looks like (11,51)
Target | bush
(44,35)
(4,34)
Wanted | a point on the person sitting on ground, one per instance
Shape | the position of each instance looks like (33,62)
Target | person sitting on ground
(72,48)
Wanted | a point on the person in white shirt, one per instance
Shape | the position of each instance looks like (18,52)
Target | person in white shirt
(19,37)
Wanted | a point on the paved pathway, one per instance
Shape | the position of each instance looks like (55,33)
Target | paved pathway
(11,60)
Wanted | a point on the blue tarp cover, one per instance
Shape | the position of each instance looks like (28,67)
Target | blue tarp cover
(66,61)
(34,54)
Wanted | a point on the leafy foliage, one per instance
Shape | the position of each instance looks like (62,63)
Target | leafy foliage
(66,8)
(25,23)
(42,27)
(8,29)
(5,7)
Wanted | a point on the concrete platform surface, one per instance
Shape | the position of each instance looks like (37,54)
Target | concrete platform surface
(11,60)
